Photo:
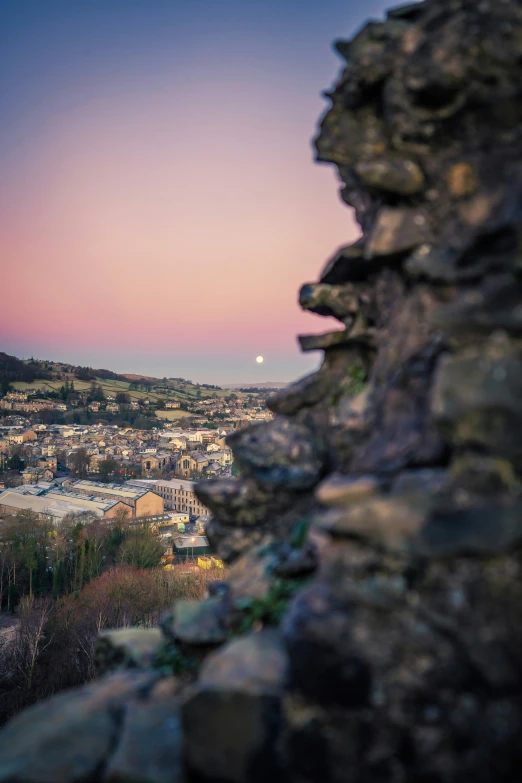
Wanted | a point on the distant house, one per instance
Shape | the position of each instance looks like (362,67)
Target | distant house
(224,457)
(16,396)
(178,443)
(159,461)
(201,460)
(213,469)
(94,464)
(48,463)
(188,547)
(34,475)
(172,404)
(22,437)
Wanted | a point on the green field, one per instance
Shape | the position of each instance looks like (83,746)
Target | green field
(155,389)
(172,415)
(175,390)
(109,388)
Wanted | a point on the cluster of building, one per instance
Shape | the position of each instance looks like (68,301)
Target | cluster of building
(25,402)
(134,499)
(54,469)
(48,449)
(19,401)
(233,410)
(151,470)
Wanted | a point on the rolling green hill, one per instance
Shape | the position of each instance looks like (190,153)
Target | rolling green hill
(50,376)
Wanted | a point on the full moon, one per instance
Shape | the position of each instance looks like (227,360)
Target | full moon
(259,359)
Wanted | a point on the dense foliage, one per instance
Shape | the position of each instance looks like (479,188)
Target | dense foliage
(60,586)
(13,369)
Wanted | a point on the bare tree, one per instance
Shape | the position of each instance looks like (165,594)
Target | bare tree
(122,516)
(30,639)
(80,463)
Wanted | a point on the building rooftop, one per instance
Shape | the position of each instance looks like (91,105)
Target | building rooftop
(177,483)
(141,483)
(55,505)
(80,501)
(117,490)
(187,542)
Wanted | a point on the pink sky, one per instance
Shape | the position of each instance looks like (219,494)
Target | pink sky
(170,219)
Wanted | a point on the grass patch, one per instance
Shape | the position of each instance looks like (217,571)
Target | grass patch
(172,415)
(176,390)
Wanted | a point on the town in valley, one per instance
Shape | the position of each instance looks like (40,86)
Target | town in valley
(76,441)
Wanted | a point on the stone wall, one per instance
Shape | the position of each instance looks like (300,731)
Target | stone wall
(370,630)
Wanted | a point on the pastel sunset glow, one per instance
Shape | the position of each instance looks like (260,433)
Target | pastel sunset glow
(159,203)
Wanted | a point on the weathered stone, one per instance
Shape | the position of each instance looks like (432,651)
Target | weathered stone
(348,264)
(358,136)
(333,379)
(404,177)
(363,339)
(397,231)
(256,663)
(303,394)
(149,749)
(322,745)
(280,453)
(339,301)
(462,180)
(451,266)
(251,574)
(399,429)
(295,563)
(339,490)
(471,531)
(126,648)
(241,501)
(348,423)
(475,313)
(197,622)
(476,398)
(70,737)
(231,542)
(326,664)
(481,475)
(410,11)
(321,342)
(424,482)
(390,522)
(232,717)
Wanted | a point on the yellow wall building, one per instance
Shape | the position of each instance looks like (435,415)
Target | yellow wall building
(142,502)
